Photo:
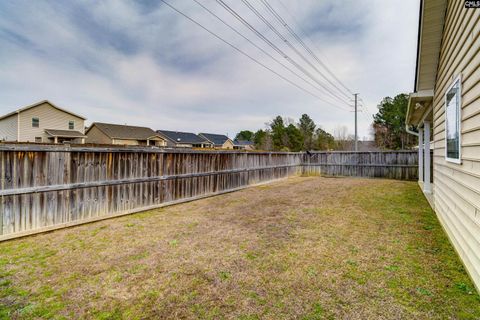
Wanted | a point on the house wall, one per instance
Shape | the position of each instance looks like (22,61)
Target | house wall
(95,135)
(457,186)
(228,144)
(129,142)
(158,143)
(50,118)
(8,128)
(182,145)
(170,144)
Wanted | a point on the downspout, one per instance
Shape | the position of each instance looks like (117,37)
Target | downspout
(420,152)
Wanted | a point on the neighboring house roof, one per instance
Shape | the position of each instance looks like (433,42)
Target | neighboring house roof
(243,143)
(182,137)
(119,131)
(36,105)
(216,139)
(64,133)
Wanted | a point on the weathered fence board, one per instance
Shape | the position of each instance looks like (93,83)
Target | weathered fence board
(401,165)
(48,187)
(44,187)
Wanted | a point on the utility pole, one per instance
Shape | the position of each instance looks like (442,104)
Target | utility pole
(356,129)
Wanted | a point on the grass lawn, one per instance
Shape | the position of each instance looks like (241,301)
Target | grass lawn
(303,248)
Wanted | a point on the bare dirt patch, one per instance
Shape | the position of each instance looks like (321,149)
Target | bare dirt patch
(304,248)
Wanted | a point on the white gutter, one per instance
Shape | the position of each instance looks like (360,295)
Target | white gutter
(410,131)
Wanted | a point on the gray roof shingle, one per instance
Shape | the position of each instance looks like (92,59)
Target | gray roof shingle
(216,139)
(243,143)
(119,131)
(182,137)
(64,133)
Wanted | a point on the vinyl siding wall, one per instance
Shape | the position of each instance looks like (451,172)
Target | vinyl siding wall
(457,186)
(95,135)
(8,128)
(50,118)
(128,142)
(228,145)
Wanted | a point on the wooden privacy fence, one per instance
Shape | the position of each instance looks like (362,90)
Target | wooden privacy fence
(401,165)
(49,187)
(46,187)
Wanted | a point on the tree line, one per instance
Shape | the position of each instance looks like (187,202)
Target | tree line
(389,124)
(284,134)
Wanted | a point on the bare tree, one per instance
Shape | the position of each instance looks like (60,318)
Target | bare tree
(343,140)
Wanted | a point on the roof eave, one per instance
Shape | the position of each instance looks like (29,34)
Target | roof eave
(431,19)
(64,136)
(417,113)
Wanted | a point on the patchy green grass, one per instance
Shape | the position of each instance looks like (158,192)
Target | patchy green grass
(304,248)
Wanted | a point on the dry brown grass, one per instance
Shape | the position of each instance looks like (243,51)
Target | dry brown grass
(304,248)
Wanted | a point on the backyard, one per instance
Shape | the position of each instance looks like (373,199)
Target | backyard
(302,248)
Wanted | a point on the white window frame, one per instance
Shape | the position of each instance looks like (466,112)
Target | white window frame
(459,117)
(38,122)
(72,121)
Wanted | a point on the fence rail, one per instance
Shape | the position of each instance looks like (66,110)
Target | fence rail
(49,187)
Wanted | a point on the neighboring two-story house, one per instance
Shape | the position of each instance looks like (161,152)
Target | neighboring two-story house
(42,122)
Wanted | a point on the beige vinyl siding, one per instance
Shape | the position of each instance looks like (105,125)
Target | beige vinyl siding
(182,145)
(95,135)
(457,186)
(8,128)
(128,142)
(50,118)
(228,144)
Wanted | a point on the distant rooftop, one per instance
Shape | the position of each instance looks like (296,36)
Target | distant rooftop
(182,137)
(37,104)
(119,131)
(216,139)
(64,133)
(243,143)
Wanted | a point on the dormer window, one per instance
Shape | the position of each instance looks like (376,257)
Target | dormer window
(35,122)
(71,125)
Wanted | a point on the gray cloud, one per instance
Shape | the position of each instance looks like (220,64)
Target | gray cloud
(141,63)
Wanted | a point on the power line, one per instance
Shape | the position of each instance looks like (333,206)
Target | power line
(242,52)
(305,34)
(270,43)
(292,32)
(276,48)
(289,44)
(285,40)
(255,45)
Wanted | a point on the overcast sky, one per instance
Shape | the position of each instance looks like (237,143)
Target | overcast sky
(141,63)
